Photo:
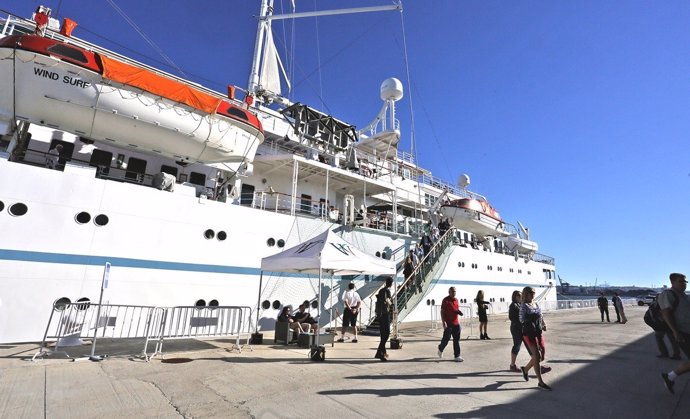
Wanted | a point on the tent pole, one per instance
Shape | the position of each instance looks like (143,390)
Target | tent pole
(258,301)
(318,313)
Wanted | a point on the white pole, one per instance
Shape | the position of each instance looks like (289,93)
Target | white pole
(104,285)
(318,312)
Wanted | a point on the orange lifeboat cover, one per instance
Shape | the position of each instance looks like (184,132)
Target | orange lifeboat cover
(158,85)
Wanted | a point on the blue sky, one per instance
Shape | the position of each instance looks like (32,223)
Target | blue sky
(572,117)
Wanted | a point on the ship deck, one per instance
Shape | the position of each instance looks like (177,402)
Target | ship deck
(599,371)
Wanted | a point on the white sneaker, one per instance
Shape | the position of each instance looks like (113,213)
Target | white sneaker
(458,359)
(439,353)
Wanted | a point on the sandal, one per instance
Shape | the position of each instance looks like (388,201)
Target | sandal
(524,373)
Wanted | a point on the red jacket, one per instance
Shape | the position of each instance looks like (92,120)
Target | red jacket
(449,310)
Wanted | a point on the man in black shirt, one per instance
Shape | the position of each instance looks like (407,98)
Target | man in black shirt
(603,307)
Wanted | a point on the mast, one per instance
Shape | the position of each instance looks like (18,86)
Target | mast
(265,11)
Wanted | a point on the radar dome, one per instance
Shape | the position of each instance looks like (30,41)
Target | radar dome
(391,89)
(464,181)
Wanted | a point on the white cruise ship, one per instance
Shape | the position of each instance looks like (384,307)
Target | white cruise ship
(184,190)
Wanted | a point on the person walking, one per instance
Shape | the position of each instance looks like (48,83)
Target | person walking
(351,303)
(532,327)
(620,311)
(450,310)
(481,312)
(678,321)
(603,304)
(515,328)
(384,306)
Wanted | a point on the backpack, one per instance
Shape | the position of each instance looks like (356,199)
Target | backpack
(653,316)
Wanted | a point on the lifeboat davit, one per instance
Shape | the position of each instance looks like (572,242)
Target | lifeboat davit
(95,94)
(474,215)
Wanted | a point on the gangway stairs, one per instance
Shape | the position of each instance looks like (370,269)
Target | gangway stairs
(413,289)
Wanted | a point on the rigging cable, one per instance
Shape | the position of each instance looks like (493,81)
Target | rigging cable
(413,144)
(145,37)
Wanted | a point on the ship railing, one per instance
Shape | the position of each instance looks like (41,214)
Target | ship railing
(72,323)
(579,304)
(538,257)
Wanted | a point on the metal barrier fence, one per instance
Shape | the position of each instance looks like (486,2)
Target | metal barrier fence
(192,322)
(69,323)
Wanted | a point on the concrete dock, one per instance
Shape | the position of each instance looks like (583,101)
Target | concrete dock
(600,370)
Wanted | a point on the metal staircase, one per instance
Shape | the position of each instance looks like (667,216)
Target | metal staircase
(413,289)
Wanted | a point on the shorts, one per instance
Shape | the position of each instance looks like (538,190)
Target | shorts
(349,318)
(538,341)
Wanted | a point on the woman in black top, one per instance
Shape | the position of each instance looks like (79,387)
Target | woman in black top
(481,312)
(515,328)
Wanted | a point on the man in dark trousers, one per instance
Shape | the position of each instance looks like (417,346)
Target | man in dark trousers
(616,300)
(603,303)
(451,326)
(384,305)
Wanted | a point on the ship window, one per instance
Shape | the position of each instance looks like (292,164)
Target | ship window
(271,242)
(266,304)
(378,254)
(238,113)
(213,303)
(222,235)
(69,52)
(209,234)
(511,269)
(529,272)
(276,304)
(136,168)
(85,303)
(281,243)
(200,303)
(519,271)
(83,217)
(197,178)
(247,194)
(169,170)
(101,220)
(101,159)
(18,209)
(2,206)
(61,304)
(305,203)
(314,304)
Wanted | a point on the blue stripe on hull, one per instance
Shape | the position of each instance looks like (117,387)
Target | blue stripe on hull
(70,259)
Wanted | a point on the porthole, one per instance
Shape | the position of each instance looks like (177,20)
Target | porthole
(83,217)
(433,302)
(428,302)
(314,304)
(213,303)
(271,242)
(281,243)
(101,220)
(61,304)
(378,254)
(85,303)
(200,303)
(18,209)
(266,305)
(2,206)
(276,304)
(222,235)
(209,234)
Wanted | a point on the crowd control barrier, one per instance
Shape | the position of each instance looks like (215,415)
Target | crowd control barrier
(72,323)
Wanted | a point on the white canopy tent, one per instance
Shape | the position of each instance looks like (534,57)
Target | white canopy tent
(328,253)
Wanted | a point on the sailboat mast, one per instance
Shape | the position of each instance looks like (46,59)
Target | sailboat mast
(266,10)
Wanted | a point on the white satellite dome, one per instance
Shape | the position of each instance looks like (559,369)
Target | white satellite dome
(464,181)
(391,89)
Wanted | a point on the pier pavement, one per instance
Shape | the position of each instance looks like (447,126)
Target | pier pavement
(600,370)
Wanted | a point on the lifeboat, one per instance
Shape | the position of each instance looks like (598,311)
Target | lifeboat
(475,216)
(515,243)
(61,84)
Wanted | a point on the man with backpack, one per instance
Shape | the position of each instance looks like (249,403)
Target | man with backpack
(676,314)
(655,320)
